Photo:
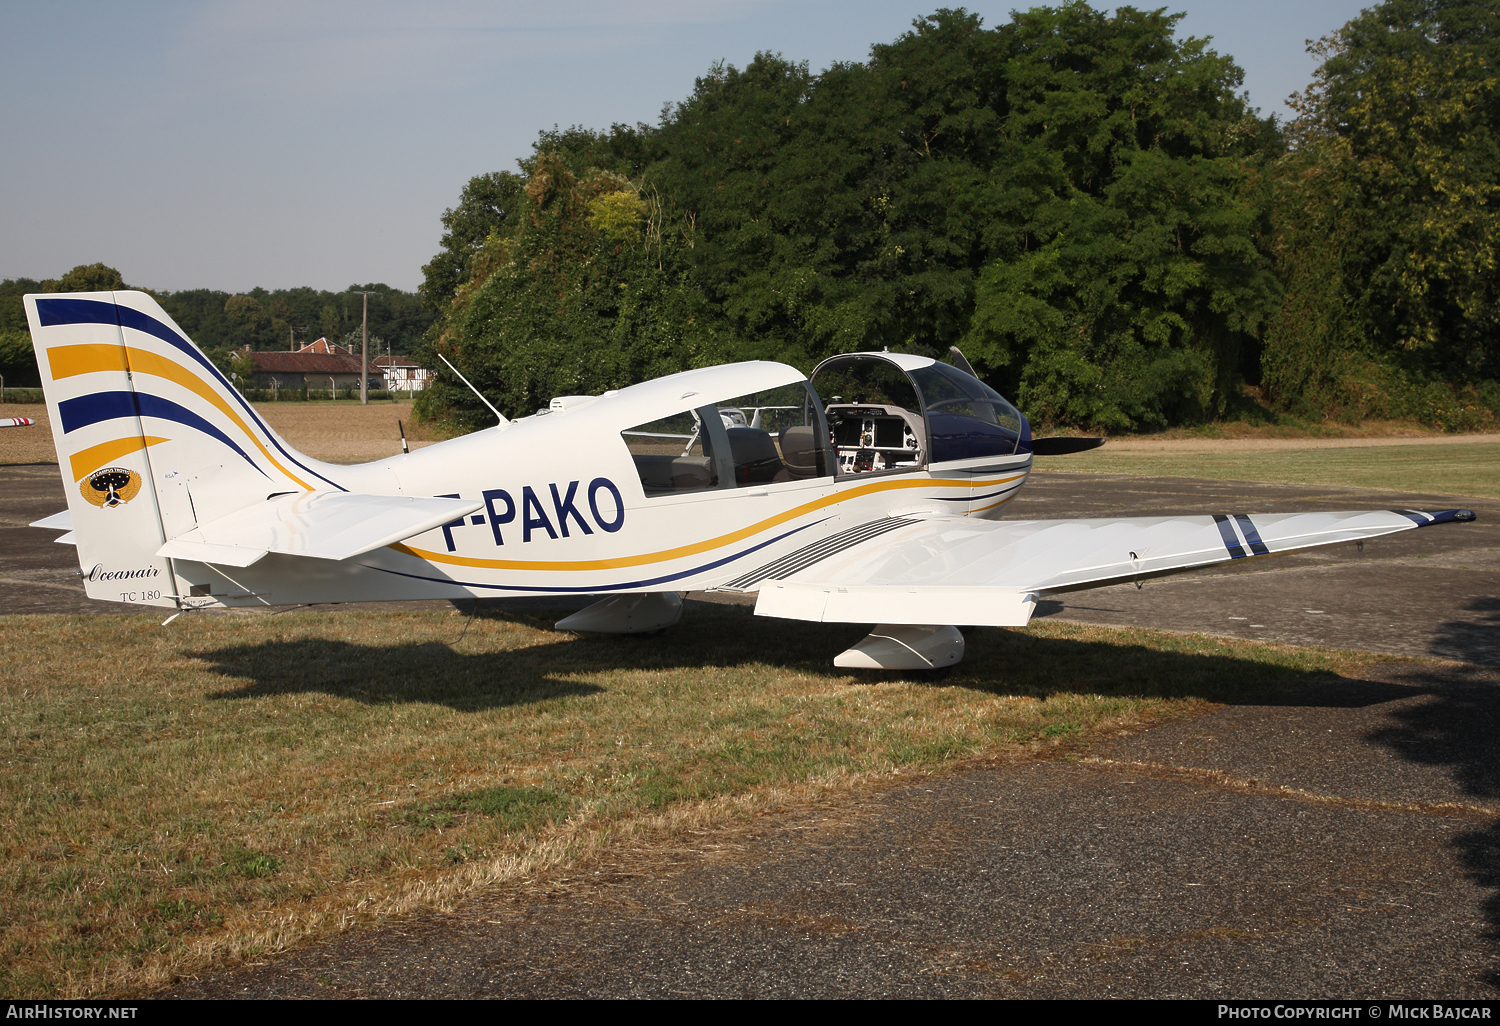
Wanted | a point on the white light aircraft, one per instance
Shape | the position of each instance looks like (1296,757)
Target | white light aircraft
(868,494)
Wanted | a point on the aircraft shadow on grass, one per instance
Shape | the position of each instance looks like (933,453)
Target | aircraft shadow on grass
(470,673)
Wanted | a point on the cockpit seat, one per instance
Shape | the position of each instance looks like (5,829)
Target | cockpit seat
(800,453)
(755,458)
(665,475)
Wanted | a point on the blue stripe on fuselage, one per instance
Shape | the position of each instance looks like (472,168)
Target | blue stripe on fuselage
(601,588)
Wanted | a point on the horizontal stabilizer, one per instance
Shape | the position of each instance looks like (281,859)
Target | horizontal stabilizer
(945,570)
(56,522)
(321,525)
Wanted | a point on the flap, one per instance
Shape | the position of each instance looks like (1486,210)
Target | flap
(322,525)
(944,570)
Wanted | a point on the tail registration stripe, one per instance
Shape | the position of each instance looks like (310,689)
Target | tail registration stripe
(75,311)
(132,318)
(101,406)
(91,409)
(147,362)
(85,461)
(698,547)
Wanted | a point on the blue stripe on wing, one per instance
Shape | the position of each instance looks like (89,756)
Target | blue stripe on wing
(1425,518)
(1231,540)
(1251,534)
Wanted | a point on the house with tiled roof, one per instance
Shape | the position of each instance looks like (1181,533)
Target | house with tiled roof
(324,364)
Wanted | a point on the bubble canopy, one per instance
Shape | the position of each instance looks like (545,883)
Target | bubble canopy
(942,413)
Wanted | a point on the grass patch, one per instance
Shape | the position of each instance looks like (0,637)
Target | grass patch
(181,798)
(1467,470)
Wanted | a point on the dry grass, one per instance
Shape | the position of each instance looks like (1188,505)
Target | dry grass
(186,797)
(346,432)
(1462,466)
(1290,428)
(340,432)
(27,444)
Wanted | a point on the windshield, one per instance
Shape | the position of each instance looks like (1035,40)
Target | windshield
(966,418)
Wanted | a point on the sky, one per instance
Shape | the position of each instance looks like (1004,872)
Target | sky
(227,145)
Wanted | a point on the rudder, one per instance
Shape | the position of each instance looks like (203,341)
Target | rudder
(151,439)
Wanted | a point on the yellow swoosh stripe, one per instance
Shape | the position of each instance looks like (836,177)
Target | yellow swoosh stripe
(992,505)
(697,547)
(85,461)
(67,361)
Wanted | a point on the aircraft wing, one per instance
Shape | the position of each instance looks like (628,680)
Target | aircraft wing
(955,570)
(323,525)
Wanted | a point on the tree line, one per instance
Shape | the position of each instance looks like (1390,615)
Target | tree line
(1082,201)
(220,322)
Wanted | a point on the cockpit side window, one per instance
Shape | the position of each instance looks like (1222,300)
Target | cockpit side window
(763,438)
(776,436)
(966,418)
(674,455)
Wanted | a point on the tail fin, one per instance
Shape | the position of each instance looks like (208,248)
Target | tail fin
(150,437)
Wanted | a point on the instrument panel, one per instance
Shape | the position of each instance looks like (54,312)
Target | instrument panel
(871,438)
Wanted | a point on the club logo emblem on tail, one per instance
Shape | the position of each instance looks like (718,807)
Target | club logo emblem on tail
(113,486)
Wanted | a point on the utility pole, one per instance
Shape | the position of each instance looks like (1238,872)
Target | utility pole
(364,353)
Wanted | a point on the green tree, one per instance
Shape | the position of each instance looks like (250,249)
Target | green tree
(1077,198)
(86,278)
(18,360)
(1388,220)
(584,296)
(1126,283)
(12,309)
(484,209)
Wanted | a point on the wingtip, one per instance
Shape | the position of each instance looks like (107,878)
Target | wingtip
(1428,517)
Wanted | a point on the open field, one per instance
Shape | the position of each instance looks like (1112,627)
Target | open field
(339,432)
(1461,465)
(206,793)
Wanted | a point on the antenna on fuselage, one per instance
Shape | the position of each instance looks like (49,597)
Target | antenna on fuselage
(476,391)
